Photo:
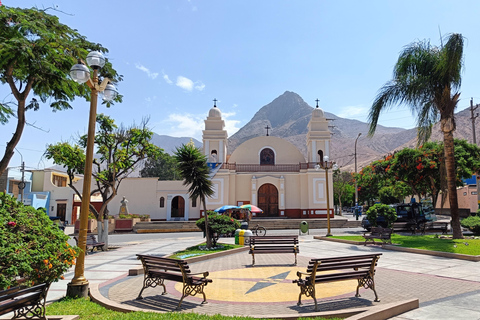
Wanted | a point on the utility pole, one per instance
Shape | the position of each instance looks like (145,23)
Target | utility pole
(473,117)
(356,187)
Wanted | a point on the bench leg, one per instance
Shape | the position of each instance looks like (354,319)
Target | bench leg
(30,312)
(152,282)
(295,258)
(253,259)
(309,291)
(192,290)
(367,283)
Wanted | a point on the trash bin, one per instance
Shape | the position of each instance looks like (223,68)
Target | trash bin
(246,237)
(304,227)
(244,225)
(241,239)
(237,232)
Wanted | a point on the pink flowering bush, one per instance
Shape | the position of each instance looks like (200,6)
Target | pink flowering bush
(32,248)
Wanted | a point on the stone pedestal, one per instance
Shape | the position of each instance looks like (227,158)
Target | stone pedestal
(77,290)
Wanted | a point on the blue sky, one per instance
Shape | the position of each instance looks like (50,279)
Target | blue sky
(176,56)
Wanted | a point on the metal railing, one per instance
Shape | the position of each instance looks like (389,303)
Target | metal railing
(269,168)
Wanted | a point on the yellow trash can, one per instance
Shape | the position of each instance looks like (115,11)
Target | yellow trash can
(241,238)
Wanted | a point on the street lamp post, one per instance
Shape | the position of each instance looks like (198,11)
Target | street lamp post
(326,165)
(81,74)
(356,188)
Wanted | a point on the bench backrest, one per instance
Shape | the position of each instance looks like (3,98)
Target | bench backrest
(12,298)
(273,240)
(338,263)
(172,269)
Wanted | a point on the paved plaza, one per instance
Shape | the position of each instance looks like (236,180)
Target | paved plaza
(446,288)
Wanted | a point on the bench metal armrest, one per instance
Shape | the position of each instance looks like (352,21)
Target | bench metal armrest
(299,274)
(205,274)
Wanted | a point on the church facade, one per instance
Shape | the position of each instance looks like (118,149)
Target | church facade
(265,171)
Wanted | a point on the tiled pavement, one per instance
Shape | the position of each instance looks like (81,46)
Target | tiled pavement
(446,288)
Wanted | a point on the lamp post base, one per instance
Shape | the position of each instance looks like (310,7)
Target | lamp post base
(77,290)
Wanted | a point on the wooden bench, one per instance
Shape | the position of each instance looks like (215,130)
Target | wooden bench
(435,226)
(360,268)
(92,243)
(157,270)
(409,226)
(24,302)
(273,244)
(384,234)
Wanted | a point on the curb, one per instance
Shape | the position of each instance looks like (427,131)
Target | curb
(410,250)
(373,313)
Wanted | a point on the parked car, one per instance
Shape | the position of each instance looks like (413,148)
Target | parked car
(58,222)
(406,212)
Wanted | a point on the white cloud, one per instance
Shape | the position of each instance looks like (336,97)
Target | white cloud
(230,125)
(199,85)
(151,75)
(353,112)
(192,125)
(184,125)
(189,85)
(184,83)
(166,78)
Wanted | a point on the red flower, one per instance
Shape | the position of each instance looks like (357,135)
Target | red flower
(12,224)
(420,166)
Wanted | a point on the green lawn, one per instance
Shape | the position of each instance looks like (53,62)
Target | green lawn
(430,242)
(89,310)
(198,251)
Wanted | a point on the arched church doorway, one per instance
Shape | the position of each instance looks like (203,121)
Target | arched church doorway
(268,200)
(178,208)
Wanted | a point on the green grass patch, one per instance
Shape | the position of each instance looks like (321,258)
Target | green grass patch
(200,250)
(430,242)
(88,310)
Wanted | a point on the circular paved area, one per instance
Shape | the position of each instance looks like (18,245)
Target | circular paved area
(267,288)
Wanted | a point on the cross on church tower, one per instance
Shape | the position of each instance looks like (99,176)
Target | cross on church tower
(267,127)
(215,102)
(317,102)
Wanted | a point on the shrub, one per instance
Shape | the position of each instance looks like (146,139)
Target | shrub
(472,223)
(218,224)
(384,210)
(33,249)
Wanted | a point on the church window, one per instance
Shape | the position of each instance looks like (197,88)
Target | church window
(320,155)
(267,156)
(194,203)
(162,202)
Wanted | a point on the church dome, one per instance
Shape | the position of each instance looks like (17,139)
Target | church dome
(318,113)
(214,113)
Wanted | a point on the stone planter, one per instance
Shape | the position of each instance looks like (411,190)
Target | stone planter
(111,225)
(123,225)
(92,226)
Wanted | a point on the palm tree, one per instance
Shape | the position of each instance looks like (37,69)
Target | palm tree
(192,165)
(427,79)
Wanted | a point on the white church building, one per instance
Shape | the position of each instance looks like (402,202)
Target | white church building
(265,171)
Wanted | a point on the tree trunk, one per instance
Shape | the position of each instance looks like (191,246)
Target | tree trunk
(207,233)
(102,228)
(451,183)
(10,149)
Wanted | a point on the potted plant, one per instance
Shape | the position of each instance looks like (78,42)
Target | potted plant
(91,226)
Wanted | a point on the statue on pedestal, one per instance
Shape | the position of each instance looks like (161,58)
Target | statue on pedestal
(124,207)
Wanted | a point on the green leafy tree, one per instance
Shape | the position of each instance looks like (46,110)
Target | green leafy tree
(194,170)
(343,188)
(380,209)
(164,167)
(36,54)
(119,150)
(427,79)
(218,225)
(32,248)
